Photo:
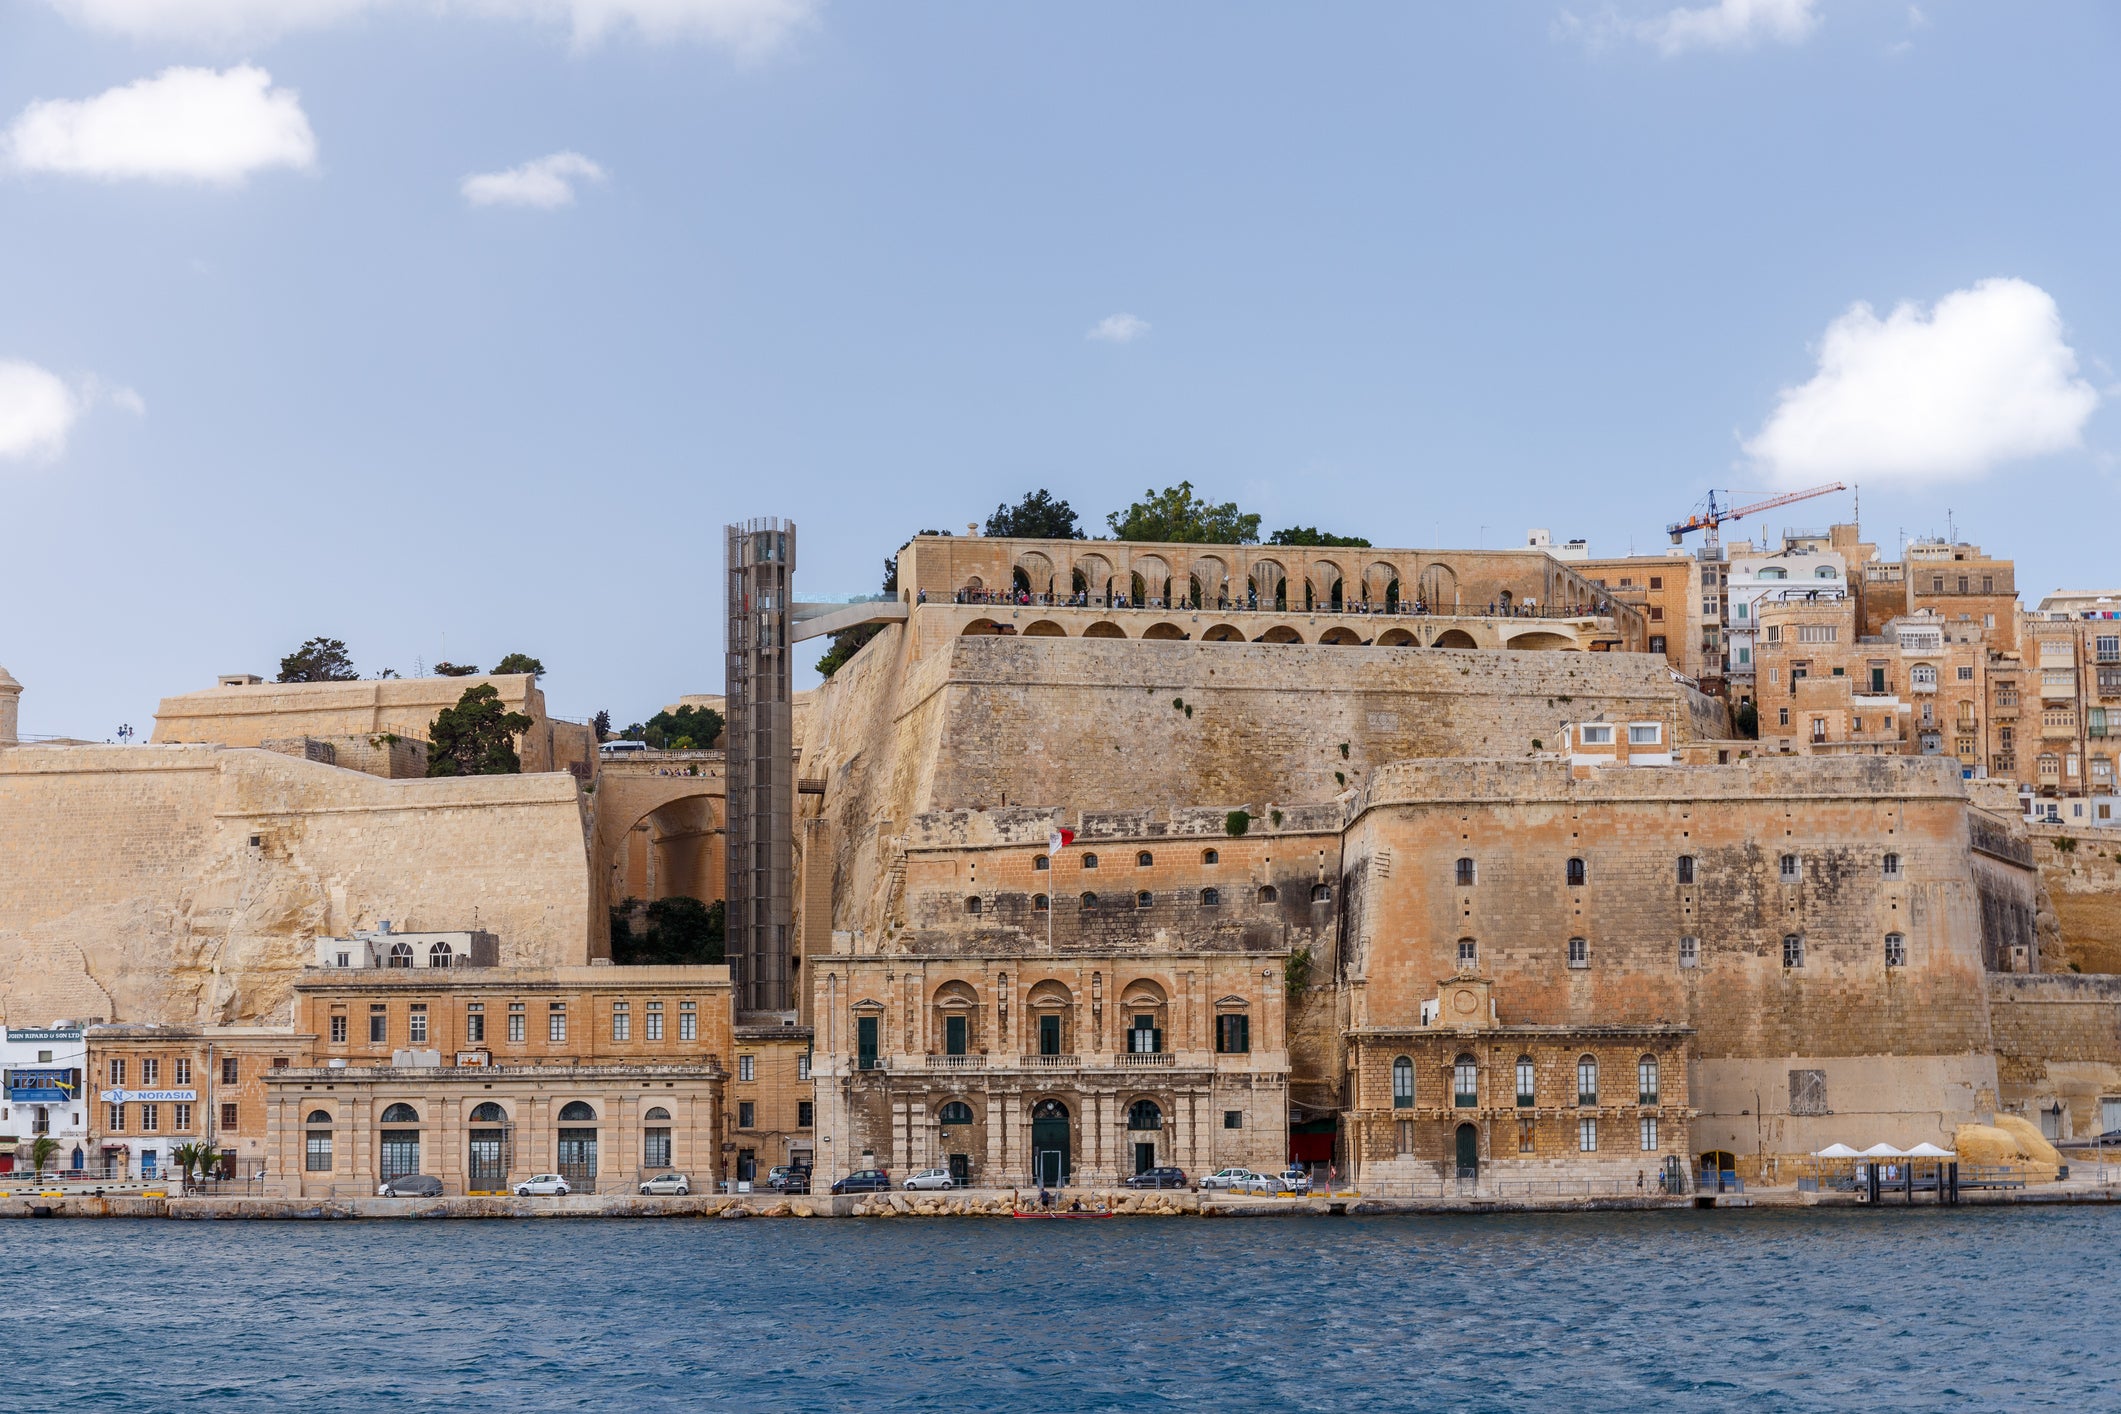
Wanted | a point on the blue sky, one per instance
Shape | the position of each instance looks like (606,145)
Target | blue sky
(1429,274)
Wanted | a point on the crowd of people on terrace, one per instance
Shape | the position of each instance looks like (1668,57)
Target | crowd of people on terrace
(1083,599)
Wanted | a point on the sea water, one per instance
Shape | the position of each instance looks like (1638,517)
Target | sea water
(1989,1309)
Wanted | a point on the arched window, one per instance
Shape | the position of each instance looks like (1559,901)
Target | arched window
(956,1112)
(1089,861)
(1209,856)
(1895,950)
(316,1143)
(1321,893)
(318,1117)
(657,1115)
(1465,873)
(1143,899)
(1686,868)
(1465,1083)
(400,955)
(1267,893)
(1576,873)
(1039,903)
(401,1114)
(440,955)
(1041,863)
(1646,1081)
(576,1112)
(1402,1083)
(1209,898)
(1587,1080)
(972,905)
(1089,901)
(1892,866)
(1527,1078)
(1143,1114)
(1144,859)
(489,1113)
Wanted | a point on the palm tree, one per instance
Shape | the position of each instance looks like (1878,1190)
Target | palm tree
(42,1150)
(200,1156)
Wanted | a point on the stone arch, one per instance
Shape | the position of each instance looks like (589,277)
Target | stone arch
(656,832)
(1143,991)
(1439,587)
(1210,579)
(1454,638)
(1341,636)
(1541,639)
(1380,584)
(1270,583)
(1397,638)
(1093,574)
(1104,628)
(1034,572)
(1327,585)
(980,627)
(1223,633)
(1164,632)
(1280,633)
(974,584)
(1044,628)
(1152,579)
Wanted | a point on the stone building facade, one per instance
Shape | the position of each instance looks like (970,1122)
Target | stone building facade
(156,1088)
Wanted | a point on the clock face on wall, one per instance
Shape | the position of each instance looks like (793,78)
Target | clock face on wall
(1462,1003)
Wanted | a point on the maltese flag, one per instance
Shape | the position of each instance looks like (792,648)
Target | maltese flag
(1059,840)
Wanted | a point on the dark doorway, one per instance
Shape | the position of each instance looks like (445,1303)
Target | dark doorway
(953,1035)
(865,1042)
(747,1164)
(1051,1161)
(1049,1035)
(1144,1157)
(1468,1151)
(961,1170)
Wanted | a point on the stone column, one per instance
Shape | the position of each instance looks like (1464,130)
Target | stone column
(10,703)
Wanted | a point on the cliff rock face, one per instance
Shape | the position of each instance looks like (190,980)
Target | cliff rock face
(187,884)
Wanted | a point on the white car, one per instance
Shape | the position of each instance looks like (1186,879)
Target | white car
(669,1183)
(932,1178)
(1265,1183)
(1230,1179)
(544,1184)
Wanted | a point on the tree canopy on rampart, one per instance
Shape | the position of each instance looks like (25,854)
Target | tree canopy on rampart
(476,737)
(319,660)
(1037,517)
(1175,514)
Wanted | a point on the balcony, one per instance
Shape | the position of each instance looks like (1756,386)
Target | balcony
(1053,1062)
(957,1062)
(1131,1059)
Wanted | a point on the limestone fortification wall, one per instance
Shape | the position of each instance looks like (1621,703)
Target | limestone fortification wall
(133,889)
(2083,882)
(2058,1045)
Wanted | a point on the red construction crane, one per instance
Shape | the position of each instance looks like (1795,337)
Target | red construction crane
(1709,515)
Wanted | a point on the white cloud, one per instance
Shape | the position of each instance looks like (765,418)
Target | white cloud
(748,28)
(37,410)
(182,125)
(1921,397)
(1732,24)
(1118,329)
(544,182)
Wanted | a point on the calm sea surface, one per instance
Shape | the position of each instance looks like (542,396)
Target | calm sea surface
(1977,1310)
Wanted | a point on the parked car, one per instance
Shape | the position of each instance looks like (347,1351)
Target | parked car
(1295,1179)
(411,1185)
(932,1178)
(864,1181)
(1229,1179)
(795,1180)
(1158,1178)
(1266,1184)
(668,1183)
(549,1185)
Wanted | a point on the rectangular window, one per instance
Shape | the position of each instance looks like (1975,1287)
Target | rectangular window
(229,1069)
(150,1072)
(1597,734)
(515,1022)
(802,1066)
(1526,1082)
(378,1023)
(655,1148)
(150,1118)
(1690,952)
(1895,950)
(556,1021)
(181,1070)
(1233,1034)
(338,1030)
(1656,581)
(1649,1134)
(1645,733)
(228,1119)
(804,1112)
(1143,1038)
(117,1119)
(1579,953)
(654,1031)
(1587,1135)
(316,1153)
(182,1117)
(865,1029)
(1793,950)
(416,1025)
(745,1112)
(957,1035)
(475,1023)
(1818,633)
(1233,1119)
(1966,674)
(747,1066)
(1792,869)
(1525,1131)
(1406,1136)
(117,1072)
(688,1022)
(621,1022)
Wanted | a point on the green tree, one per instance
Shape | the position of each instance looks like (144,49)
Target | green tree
(198,1156)
(687,729)
(1746,720)
(1176,514)
(42,1150)
(1037,517)
(675,931)
(601,724)
(319,660)
(524,663)
(477,737)
(456,670)
(1310,535)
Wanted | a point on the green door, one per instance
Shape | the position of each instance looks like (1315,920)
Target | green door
(1049,1036)
(865,1042)
(1050,1158)
(1468,1151)
(953,1035)
(1144,1157)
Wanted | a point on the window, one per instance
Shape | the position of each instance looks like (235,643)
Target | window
(1690,952)
(1468,952)
(1579,953)
(150,1118)
(1088,902)
(1144,1115)
(1465,1083)
(515,1022)
(1143,899)
(117,1119)
(1209,898)
(621,1022)
(1587,1080)
(1686,868)
(1597,734)
(1645,733)
(804,1110)
(1576,873)
(1657,643)
(972,905)
(1895,950)
(1649,1134)
(228,1070)
(1233,1119)
(865,1041)
(1892,866)
(747,1066)
(1646,1081)
(1782,716)
(1267,893)
(1465,873)
(150,1072)
(400,955)
(180,1069)
(746,1114)
(1041,904)
(1793,950)
(1791,869)
(228,1118)
(1406,1136)
(1402,1083)
(688,1022)
(1587,1135)
(117,1073)
(1143,1038)
(954,1112)
(1656,581)
(556,1021)
(1209,856)
(316,1151)
(1818,633)
(338,1030)
(1321,893)
(378,1023)
(440,955)
(416,1033)
(1966,674)
(1089,861)
(1526,1076)
(1040,863)
(475,1023)
(1144,859)
(1233,1033)
(1525,1133)
(183,1118)
(2107,648)
(1923,676)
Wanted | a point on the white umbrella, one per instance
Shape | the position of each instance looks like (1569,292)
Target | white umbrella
(1837,1151)
(1927,1150)
(1882,1151)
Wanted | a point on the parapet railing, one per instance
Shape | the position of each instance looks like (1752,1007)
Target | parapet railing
(1409,609)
